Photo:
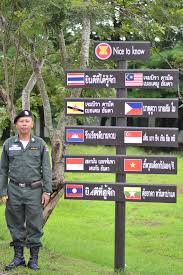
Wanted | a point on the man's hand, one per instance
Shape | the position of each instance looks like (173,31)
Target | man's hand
(3,199)
(45,199)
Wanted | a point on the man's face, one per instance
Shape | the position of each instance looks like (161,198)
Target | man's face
(24,125)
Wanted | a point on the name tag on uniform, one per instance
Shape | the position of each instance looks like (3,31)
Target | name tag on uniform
(34,148)
(15,147)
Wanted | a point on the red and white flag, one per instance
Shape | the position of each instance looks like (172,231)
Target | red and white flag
(132,136)
(74,164)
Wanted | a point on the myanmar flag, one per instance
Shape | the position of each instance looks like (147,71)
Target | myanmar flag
(132,193)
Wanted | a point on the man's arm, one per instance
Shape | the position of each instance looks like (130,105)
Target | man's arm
(4,168)
(46,170)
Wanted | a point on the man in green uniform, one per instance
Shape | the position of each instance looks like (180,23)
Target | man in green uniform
(25,164)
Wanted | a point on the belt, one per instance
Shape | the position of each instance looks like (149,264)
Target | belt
(32,184)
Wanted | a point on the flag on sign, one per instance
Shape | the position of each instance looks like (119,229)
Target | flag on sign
(74,135)
(75,108)
(132,136)
(132,193)
(74,79)
(133,79)
(132,165)
(74,164)
(133,108)
(74,190)
(103,51)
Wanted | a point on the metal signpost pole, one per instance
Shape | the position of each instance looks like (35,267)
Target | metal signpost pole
(120,177)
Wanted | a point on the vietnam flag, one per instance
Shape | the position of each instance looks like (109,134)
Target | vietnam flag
(132,165)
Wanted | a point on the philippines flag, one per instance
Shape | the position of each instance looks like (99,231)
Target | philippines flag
(132,165)
(74,135)
(74,190)
(133,108)
(75,79)
(74,164)
(132,136)
(133,79)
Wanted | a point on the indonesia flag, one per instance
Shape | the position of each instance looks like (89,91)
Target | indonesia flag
(74,190)
(75,79)
(74,164)
(132,136)
(133,108)
(132,165)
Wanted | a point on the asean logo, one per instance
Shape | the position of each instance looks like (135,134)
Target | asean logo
(103,51)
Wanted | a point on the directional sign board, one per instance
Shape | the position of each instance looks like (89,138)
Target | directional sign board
(121,164)
(151,79)
(142,107)
(122,50)
(120,192)
(134,136)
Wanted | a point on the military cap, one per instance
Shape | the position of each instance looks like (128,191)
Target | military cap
(24,113)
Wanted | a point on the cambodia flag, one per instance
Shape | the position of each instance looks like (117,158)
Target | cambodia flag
(74,135)
(132,165)
(133,108)
(74,190)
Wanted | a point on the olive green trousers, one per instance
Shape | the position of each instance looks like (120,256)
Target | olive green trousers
(24,215)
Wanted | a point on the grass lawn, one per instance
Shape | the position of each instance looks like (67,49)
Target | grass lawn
(79,236)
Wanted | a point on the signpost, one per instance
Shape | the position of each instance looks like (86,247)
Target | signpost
(121,135)
(122,50)
(121,192)
(122,107)
(134,136)
(122,78)
(121,164)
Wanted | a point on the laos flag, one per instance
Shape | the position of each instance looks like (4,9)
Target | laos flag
(74,190)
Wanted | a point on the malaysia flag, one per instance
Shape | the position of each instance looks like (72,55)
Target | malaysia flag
(74,190)
(133,108)
(133,79)
(75,79)
(132,136)
(132,165)
(74,135)
(74,164)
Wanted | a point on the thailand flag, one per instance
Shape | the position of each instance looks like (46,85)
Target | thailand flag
(75,79)
(74,190)
(133,108)
(74,135)
(132,136)
(74,164)
(133,79)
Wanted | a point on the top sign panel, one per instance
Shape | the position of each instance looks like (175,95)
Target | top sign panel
(147,79)
(121,50)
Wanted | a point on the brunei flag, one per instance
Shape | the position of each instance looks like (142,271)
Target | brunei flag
(132,193)
(75,108)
